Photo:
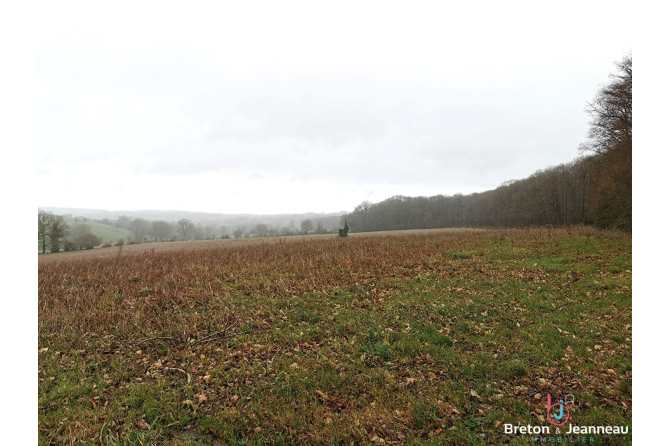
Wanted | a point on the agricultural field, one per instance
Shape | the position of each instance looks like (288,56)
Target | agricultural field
(437,337)
(181,245)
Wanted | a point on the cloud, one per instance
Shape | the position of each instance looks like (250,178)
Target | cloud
(390,100)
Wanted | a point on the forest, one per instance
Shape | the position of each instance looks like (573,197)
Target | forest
(594,189)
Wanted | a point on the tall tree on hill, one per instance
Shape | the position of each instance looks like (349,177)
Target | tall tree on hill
(58,230)
(185,228)
(161,230)
(307,226)
(139,228)
(44,220)
(610,191)
(612,112)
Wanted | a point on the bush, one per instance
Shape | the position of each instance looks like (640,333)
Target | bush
(88,241)
(69,246)
(344,232)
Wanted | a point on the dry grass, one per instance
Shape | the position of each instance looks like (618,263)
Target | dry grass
(207,244)
(328,340)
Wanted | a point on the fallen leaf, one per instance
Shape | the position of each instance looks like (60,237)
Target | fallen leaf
(143,425)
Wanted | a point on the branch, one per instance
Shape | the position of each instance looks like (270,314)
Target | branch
(160,338)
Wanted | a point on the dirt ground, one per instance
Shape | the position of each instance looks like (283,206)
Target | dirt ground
(207,244)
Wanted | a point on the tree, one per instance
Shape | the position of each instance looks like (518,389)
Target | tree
(307,226)
(198,233)
(123,222)
(57,231)
(161,230)
(285,231)
(80,229)
(87,241)
(44,220)
(209,232)
(612,112)
(610,192)
(185,228)
(237,233)
(319,228)
(139,228)
(260,230)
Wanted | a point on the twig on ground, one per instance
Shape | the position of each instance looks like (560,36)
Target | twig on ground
(218,334)
(188,375)
(160,338)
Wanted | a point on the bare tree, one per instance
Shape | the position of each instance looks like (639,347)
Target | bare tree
(80,229)
(139,228)
(123,222)
(612,111)
(307,226)
(209,232)
(185,228)
(285,231)
(44,220)
(239,232)
(161,230)
(58,230)
(610,193)
(260,230)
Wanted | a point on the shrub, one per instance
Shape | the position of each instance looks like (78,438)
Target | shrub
(88,241)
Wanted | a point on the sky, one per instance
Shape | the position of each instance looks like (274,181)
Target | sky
(264,108)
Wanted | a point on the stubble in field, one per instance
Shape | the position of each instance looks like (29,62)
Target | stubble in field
(419,338)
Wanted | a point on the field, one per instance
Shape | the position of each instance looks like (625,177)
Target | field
(145,248)
(439,337)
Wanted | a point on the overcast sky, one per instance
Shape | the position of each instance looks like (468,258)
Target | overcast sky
(274,109)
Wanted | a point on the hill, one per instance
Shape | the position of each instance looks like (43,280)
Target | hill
(328,220)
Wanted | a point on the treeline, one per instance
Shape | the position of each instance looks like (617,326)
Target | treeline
(145,231)
(593,189)
(54,233)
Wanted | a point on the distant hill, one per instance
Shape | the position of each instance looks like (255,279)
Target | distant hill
(328,220)
(108,234)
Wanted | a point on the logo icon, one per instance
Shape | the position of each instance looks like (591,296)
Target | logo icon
(560,418)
